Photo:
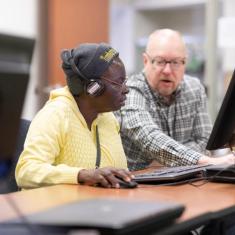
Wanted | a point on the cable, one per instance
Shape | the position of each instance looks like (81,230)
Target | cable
(98,151)
(212,178)
(179,182)
(121,121)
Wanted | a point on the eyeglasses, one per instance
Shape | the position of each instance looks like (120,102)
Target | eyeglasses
(121,85)
(161,62)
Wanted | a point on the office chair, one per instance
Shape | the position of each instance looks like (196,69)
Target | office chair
(23,129)
(10,182)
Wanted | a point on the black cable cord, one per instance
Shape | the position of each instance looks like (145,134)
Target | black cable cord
(187,181)
(98,152)
(211,178)
(178,182)
(121,121)
(205,181)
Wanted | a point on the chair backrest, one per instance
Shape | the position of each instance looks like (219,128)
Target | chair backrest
(10,182)
(23,129)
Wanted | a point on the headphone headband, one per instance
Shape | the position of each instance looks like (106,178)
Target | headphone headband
(74,67)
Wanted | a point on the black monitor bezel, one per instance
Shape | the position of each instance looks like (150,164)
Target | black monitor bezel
(224,126)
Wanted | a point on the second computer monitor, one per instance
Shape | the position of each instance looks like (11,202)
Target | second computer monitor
(222,135)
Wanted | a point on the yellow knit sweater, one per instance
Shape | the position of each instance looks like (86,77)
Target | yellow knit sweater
(59,144)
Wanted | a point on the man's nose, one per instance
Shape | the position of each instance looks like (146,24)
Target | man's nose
(167,69)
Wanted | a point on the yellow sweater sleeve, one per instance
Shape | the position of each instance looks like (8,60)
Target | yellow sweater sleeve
(43,143)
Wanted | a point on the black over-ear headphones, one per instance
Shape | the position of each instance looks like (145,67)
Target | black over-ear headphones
(93,87)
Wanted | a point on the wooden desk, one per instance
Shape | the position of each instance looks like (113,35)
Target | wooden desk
(211,197)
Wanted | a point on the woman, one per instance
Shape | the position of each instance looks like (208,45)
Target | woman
(75,138)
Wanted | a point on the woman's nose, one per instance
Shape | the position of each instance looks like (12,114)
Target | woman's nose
(125,89)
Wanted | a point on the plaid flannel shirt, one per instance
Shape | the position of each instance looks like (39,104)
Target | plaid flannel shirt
(174,134)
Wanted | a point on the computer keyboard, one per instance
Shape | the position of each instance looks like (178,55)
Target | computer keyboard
(171,174)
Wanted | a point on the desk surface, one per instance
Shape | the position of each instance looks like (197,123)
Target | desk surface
(211,197)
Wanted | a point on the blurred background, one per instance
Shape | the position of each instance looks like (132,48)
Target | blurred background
(208,27)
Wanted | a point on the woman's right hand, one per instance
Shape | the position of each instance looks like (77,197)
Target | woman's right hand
(106,177)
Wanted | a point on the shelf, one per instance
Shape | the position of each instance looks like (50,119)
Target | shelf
(166,4)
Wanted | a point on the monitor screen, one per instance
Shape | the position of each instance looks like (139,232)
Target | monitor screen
(15,58)
(222,135)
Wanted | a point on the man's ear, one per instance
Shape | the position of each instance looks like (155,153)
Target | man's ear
(145,58)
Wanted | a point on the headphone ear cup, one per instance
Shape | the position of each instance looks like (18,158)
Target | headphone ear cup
(95,87)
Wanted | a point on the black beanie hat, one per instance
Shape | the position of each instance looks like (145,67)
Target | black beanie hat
(91,60)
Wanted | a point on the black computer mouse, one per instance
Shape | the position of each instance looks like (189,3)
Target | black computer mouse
(125,184)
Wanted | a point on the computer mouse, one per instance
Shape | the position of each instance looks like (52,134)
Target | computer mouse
(124,184)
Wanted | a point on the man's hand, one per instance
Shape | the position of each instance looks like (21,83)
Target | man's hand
(226,159)
(104,176)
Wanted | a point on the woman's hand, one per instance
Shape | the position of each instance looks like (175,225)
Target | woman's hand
(106,177)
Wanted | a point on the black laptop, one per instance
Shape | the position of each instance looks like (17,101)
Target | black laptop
(107,216)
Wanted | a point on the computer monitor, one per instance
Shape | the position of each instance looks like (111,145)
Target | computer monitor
(223,132)
(15,59)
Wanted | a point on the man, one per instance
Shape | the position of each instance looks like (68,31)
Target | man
(165,117)
(75,138)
